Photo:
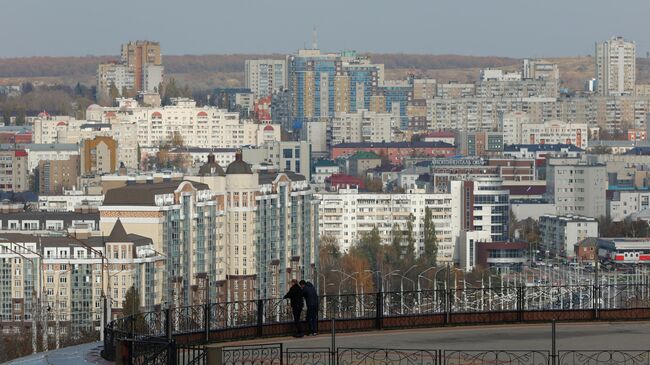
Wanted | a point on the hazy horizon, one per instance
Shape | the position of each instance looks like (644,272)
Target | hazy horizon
(507,28)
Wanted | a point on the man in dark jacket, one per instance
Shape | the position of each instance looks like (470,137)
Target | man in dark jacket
(295,296)
(311,297)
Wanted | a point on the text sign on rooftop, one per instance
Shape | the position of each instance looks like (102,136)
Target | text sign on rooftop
(458,162)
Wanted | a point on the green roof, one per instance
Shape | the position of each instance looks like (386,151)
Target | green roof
(366,155)
(325,163)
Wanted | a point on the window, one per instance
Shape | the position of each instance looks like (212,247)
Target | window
(287,153)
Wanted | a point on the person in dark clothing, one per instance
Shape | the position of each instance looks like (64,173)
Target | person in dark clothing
(295,297)
(311,297)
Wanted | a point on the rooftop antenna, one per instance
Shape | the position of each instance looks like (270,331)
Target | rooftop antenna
(314,39)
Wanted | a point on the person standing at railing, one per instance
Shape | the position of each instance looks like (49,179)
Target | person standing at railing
(311,297)
(296,299)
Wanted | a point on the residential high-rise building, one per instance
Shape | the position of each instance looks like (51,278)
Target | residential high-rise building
(99,156)
(140,70)
(14,172)
(385,211)
(616,67)
(265,77)
(363,126)
(55,176)
(139,55)
(324,84)
(232,235)
(576,186)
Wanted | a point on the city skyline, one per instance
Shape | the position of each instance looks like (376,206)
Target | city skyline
(462,28)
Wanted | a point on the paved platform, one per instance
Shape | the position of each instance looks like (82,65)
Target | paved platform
(570,336)
(81,354)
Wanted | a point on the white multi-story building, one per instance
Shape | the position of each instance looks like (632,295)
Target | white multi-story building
(120,75)
(363,126)
(540,69)
(559,234)
(498,75)
(348,214)
(511,126)
(555,132)
(184,123)
(266,76)
(69,201)
(616,67)
(626,202)
(576,186)
(49,152)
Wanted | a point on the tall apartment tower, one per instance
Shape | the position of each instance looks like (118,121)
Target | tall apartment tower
(264,77)
(145,59)
(322,84)
(616,67)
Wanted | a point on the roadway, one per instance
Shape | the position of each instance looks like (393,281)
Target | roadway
(570,336)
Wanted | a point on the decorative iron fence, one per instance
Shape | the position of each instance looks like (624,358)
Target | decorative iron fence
(495,357)
(203,323)
(356,356)
(268,354)
(603,357)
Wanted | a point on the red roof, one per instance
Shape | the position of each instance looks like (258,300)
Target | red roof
(268,128)
(440,134)
(43,114)
(202,114)
(110,114)
(60,124)
(156,115)
(20,153)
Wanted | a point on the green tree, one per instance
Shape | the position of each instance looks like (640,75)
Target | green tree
(6,116)
(20,118)
(113,92)
(430,253)
(409,251)
(131,308)
(396,242)
(369,246)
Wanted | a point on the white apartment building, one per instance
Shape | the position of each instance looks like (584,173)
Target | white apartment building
(69,201)
(626,202)
(348,214)
(120,75)
(576,186)
(363,126)
(498,75)
(511,126)
(540,69)
(266,76)
(555,132)
(616,67)
(53,136)
(559,234)
(197,127)
(152,77)
(49,152)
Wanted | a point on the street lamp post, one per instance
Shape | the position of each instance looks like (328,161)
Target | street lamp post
(386,297)
(401,287)
(419,288)
(356,289)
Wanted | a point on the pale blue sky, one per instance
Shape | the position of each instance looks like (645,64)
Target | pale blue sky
(517,28)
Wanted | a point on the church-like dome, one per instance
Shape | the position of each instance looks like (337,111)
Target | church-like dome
(238,166)
(211,168)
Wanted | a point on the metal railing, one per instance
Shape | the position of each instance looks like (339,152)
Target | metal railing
(521,303)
